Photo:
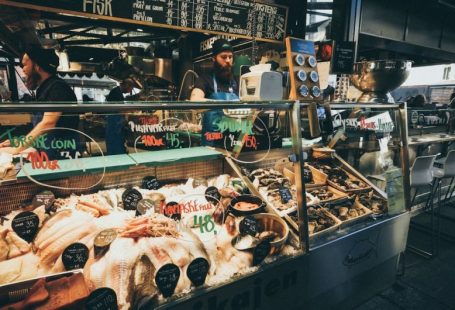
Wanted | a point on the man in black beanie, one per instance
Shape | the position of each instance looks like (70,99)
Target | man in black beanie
(221,79)
(219,84)
(40,68)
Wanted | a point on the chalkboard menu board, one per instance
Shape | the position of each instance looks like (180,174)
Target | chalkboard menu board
(234,17)
(343,57)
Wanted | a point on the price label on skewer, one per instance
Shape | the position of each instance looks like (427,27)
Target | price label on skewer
(249,226)
(131,198)
(75,256)
(25,225)
(261,251)
(45,198)
(150,183)
(166,279)
(103,298)
(103,240)
(197,271)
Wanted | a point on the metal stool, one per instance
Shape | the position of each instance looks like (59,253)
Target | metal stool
(421,175)
(447,171)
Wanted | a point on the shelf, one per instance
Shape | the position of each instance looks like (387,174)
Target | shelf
(161,158)
(85,165)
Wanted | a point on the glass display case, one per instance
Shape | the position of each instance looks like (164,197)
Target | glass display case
(142,202)
(195,205)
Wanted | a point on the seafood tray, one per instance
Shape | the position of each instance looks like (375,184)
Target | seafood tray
(268,183)
(317,177)
(335,194)
(315,214)
(357,206)
(351,180)
(373,202)
(333,171)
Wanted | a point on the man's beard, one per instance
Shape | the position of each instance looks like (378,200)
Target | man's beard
(224,74)
(33,80)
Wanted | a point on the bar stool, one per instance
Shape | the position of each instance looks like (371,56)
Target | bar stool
(421,176)
(447,171)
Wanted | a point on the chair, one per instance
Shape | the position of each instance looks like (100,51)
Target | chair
(447,171)
(422,175)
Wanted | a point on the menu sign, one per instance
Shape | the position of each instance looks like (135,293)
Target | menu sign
(343,58)
(217,16)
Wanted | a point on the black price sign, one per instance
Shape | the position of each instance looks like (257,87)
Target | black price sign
(150,182)
(166,279)
(212,194)
(285,194)
(75,256)
(197,271)
(249,226)
(261,251)
(103,240)
(172,210)
(45,198)
(131,198)
(25,225)
(343,58)
(103,298)
(144,205)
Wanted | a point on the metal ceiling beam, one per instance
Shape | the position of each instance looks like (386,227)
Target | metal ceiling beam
(319,13)
(83,33)
(109,40)
(87,22)
(58,29)
(320,5)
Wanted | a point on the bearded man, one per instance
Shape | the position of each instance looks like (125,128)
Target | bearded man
(216,85)
(40,68)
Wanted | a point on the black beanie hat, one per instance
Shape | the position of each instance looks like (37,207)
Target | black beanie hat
(45,58)
(221,45)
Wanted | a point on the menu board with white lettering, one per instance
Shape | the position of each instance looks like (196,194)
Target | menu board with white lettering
(236,17)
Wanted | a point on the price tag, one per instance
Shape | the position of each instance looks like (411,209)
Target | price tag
(197,271)
(131,198)
(144,205)
(45,198)
(212,194)
(75,256)
(103,298)
(103,240)
(172,210)
(150,182)
(166,279)
(25,225)
(285,194)
(261,251)
(249,226)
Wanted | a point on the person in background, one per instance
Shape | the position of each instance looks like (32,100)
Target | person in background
(219,84)
(452,101)
(40,68)
(5,94)
(418,101)
(86,98)
(115,127)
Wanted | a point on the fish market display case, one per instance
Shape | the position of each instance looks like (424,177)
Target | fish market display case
(143,208)
(362,165)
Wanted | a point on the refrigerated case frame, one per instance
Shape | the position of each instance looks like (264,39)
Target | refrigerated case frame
(294,109)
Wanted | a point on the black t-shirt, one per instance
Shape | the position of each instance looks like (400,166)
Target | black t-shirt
(56,90)
(205,83)
(115,95)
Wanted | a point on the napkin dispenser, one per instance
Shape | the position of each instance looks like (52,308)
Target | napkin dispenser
(261,84)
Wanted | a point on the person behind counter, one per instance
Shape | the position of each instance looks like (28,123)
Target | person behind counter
(40,69)
(115,135)
(219,84)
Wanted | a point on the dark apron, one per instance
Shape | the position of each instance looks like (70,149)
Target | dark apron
(209,117)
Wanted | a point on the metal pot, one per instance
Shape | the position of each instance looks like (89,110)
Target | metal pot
(377,78)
